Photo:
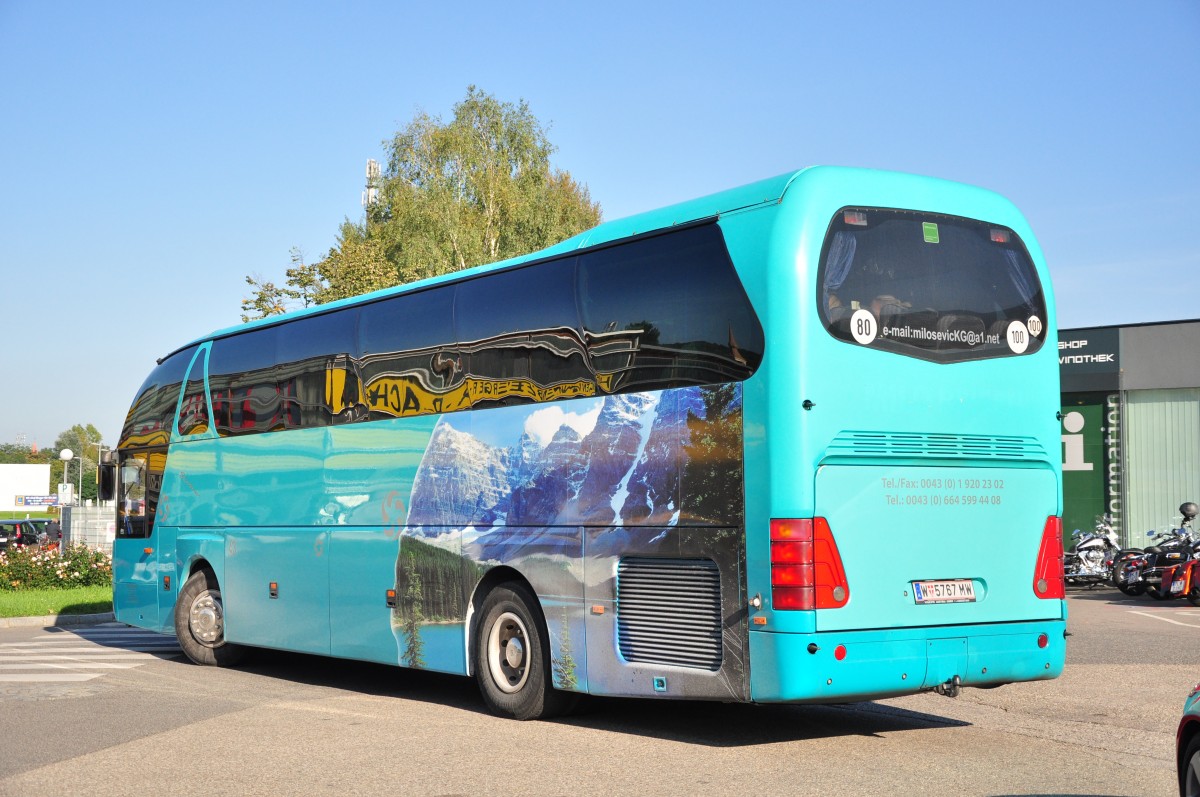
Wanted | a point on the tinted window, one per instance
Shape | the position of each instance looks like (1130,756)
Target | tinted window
(519,335)
(152,415)
(409,364)
(936,287)
(668,311)
(315,378)
(244,383)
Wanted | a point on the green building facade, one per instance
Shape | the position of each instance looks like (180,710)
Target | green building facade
(1131,425)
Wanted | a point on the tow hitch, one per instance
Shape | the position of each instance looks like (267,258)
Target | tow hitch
(951,688)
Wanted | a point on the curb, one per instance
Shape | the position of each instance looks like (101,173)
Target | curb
(56,620)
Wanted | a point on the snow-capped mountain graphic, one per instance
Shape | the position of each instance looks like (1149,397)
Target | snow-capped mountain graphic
(628,470)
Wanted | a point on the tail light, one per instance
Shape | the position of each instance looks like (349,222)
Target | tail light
(806,568)
(1048,574)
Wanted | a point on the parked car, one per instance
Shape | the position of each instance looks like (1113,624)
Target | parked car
(1187,746)
(45,526)
(22,533)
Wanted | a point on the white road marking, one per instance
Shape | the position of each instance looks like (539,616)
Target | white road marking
(1165,619)
(66,657)
(31,677)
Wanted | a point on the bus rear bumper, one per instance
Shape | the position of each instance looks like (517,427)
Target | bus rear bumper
(837,666)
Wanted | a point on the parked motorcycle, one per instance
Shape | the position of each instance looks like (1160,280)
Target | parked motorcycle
(1145,573)
(1091,559)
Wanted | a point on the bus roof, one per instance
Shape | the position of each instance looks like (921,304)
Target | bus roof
(762,192)
(758,193)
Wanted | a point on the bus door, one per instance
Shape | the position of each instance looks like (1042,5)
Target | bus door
(135,554)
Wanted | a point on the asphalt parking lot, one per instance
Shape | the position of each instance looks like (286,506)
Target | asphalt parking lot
(119,711)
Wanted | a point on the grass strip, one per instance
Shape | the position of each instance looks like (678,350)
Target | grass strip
(41,602)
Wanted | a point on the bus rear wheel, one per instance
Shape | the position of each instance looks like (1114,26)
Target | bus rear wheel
(512,662)
(200,623)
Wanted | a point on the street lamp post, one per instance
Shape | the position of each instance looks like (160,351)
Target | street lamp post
(66,455)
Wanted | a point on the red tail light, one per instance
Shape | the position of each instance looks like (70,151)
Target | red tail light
(806,568)
(1048,574)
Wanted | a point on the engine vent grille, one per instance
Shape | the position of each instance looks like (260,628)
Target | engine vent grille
(916,445)
(669,612)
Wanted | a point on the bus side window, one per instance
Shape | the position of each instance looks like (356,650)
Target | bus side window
(668,311)
(408,361)
(520,332)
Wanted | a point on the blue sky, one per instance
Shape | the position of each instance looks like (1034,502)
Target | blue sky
(154,154)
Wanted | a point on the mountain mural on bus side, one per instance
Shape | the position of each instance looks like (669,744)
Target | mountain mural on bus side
(631,467)
(645,472)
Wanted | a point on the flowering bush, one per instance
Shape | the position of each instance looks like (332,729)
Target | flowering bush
(79,566)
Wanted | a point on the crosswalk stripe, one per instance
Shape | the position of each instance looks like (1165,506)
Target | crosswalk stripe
(77,656)
(87,665)
(32,677)
(92,649)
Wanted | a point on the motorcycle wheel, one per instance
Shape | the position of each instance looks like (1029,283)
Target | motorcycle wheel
(1158,594)
(1193,594)
(1132,590)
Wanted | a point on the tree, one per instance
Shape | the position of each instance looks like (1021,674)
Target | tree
(413,616)
(84,442)
(713,468)
(474,190)
(303,286)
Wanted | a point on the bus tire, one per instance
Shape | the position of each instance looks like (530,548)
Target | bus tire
(512,662)
(200,623)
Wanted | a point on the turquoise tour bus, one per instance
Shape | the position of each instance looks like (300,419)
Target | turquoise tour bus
(795,441)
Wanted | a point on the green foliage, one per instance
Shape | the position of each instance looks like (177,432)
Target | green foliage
(474,190)
(441,573)
(84,441)
(13,454)
(302,289)
(79,566)
(564,665)
(713,471)
(411,608)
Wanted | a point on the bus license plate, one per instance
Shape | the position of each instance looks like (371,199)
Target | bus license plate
(958,590)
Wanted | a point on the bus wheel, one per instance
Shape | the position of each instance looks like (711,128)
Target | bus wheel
(200,623)
(511,660)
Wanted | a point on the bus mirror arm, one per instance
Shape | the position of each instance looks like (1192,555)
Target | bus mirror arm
(106,489)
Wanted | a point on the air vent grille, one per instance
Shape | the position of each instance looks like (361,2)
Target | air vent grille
(916,445)
(669,612)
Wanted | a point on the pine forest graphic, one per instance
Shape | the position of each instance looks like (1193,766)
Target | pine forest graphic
(656,467)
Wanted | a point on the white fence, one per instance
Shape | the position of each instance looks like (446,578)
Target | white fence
(94,526)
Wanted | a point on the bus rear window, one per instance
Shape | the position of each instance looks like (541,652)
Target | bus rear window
(940,288)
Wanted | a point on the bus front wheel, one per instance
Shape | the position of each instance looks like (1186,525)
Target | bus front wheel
(200,623)
(511,657)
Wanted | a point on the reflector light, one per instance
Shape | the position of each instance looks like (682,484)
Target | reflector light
(839,652)
(1048,572)
(855,217)
(806,568)
(1043,640)
(1000,236)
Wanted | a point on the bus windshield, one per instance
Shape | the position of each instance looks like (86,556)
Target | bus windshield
(936,287)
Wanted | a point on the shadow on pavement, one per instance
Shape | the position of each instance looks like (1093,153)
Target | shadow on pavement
(691,722)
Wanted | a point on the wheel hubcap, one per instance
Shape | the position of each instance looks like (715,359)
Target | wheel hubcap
(206,621)
(508,653)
